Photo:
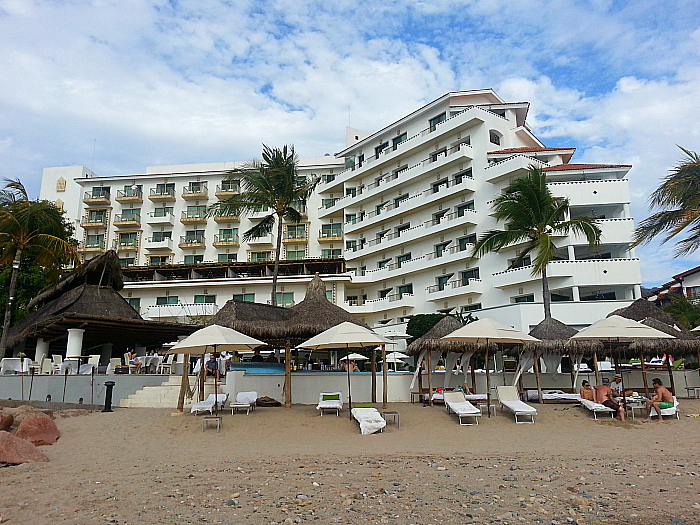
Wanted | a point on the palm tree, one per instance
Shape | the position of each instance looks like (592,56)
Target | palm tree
(679,199)
(533,216)
(33,229)
(273,184)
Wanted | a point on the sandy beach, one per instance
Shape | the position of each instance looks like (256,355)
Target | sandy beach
(292,466)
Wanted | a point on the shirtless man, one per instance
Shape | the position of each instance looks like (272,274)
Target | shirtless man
(662,399)
(606,397)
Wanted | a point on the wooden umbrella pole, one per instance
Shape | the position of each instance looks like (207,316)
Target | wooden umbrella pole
(287,375)
(622,381)
(644,374)
(347,367)
(595,368)
(537,378)
(472,366)
(430,380)
(201,379)
(670,375)
(572,373)
(216,386)
(184,383)
(488,381)
(385,380)
(374,375)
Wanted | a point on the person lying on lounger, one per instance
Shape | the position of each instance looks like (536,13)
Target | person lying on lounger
(587,391)
(662,399)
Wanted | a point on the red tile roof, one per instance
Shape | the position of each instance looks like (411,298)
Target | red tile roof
(572,167)
(524,150)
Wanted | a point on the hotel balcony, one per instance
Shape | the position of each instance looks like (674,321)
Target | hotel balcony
(592,192)
(195,241)
(91,247)
(511,167)
(265,239)
(199,192)
(97,198)
(330,236)
(226,241)
(298,237)
(181,312)
(390,302)
(129,196)
(255,256)
(162,244)
(259,215)
(159,218)
(93,222)
(614,231)
(593,272)
(193,218)
(456,288)
(224,192)
(127,220)
(226,218)
(126,244)
(162,194)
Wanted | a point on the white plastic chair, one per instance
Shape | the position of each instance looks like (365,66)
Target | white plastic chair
(46,366)
(166,364)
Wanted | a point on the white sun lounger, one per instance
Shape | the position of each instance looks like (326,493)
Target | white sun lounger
(673,411)
(208,403)
(370,420)
(508,399)
(330,401)
(456,402)
(597,408)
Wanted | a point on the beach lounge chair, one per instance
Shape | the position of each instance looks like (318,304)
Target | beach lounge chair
(209,402)
(508,399)
(597,408)
(330,401)
(244,400)
(370,420)
(673,411)
(457,403)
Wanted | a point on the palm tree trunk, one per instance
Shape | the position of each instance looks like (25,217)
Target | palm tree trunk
(273,294)
(545,295)
(10,300)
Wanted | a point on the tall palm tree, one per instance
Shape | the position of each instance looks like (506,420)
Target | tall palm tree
(679,199)
(273,184)
(33,229)
(533,216)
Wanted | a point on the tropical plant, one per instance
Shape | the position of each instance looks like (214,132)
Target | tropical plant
(679,200)
(34,230)
(683,310)
(532,216)
(271,184)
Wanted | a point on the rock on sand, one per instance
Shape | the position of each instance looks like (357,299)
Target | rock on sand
(15,450)
(38,431)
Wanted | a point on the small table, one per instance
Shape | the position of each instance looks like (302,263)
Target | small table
(396,417)
(211,419)
(492,407)
(636,406)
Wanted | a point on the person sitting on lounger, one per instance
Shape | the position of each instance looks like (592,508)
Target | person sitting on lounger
(587,391)
(616,387)
(614,405)
(212,367)
(662,399)
(133,361)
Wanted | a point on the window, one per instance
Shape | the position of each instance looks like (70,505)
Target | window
(494,138)
(247,297)
(227,257)
(529,298)
(692,291)
(351,218)
(380,148)
(158,260)
(471,307)
(194,236)
(162,236)
(402,259)
(383,293)
(442,281)
(285,299)
(351,245)
(434,157)
(205,299)
(466,242)
(437,217)
(295,255)
(440,248)
(126,261)
(163,212)
(230,185)
(349,163)
(128,239)
(196,212)
(401,229)
(382,264)
(133,214)
(328,203)
(525,262)
(351,192)
(167,300)
(329,295)
(331,230)
(398,140)
(461,210)
(99,192)
(260,256)
(379,207)
(466,174)
(334,253)
(132,190)
(95,241)
(398,200)
(440,184)
(599,296)
(197,187)
(405,289)
(165,189)
(98,216)
(360,160)
(433,122)
(296,231)
(193,259)
(558,297)
(228,235)
(299,206)
(328,177)
(134,302)
(471,273)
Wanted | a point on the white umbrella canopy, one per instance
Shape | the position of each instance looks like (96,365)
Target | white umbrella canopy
(215,337)
(345,335)
(395,335)
(488,330)
(397,355)
(354,357)
(618,328)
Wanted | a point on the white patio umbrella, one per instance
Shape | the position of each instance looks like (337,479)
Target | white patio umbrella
(348,335)
(397,355)
(211,337)
(354,357)
(488,331)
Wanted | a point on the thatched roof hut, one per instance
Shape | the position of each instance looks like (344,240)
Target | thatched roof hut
(554,337)
(103,270)
(432,339)
(642,309)
(262,321)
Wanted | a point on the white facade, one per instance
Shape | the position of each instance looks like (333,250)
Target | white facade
(402,206)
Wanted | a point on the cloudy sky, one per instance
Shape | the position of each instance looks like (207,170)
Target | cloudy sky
(124,84)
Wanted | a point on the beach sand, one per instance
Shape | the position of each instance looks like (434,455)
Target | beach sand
(292,466)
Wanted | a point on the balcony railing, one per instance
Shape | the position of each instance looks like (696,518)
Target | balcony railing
(125,243)
(130,195)
(92,245)
(302,236)
(158,244)
(191,216)
(159,217)
(330,234)
(97,197)
(225,191)
(94,222)
(229,240)
(189,240)
(127,219)
(162,194)
(195,192)
(457,283)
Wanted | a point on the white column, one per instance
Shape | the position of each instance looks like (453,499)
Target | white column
(572,252)
(637,292)
(42,350)
(75,342)
(574,290)
(626,211)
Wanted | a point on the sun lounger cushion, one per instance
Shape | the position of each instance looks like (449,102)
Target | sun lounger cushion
(370,420)
(519,407)
(247,397)
(330,401)
(508,398)
(457,403)
(551,395)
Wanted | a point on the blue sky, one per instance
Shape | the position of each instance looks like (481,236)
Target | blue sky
(135,83)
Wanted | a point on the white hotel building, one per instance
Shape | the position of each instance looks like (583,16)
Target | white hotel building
(389,228)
